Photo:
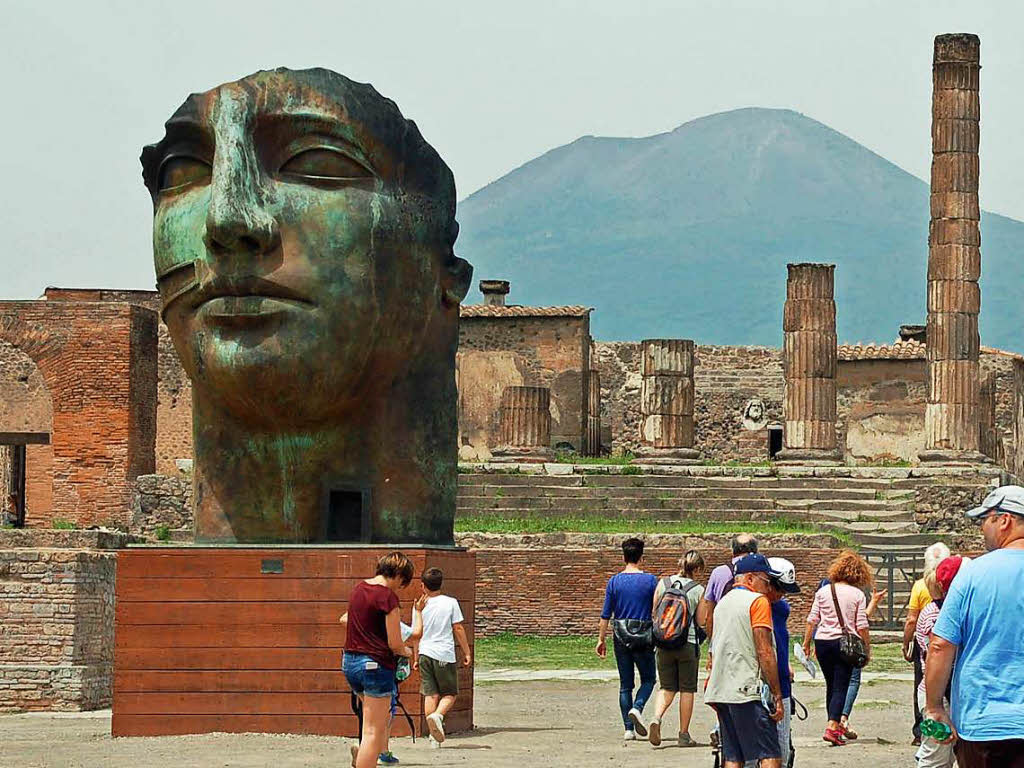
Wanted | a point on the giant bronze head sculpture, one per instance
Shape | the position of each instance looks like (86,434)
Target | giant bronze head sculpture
(303,238)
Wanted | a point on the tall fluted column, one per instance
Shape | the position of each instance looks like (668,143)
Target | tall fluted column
(666,402)
(954,255)
(809,365)
(525,424)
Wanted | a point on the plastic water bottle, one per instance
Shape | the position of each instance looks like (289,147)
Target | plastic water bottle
(933,729)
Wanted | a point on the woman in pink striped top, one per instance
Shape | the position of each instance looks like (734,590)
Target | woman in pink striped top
(850,575)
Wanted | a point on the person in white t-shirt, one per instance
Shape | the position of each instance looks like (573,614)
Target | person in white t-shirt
(435,657)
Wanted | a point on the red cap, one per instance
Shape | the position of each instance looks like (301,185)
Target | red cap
(947,570)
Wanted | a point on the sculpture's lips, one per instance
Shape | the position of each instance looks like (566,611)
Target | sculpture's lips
(239,308)
(222,297)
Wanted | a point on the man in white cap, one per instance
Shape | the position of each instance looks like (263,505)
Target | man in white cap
(980,628)
(781,582)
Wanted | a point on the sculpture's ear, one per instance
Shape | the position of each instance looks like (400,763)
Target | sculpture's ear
(456,277)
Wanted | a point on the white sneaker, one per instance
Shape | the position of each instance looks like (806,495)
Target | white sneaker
(638,724)
(629,736)
(434,744)
(654,733)
(436,725)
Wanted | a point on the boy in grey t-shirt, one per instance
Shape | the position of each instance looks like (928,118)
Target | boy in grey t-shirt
(435,657)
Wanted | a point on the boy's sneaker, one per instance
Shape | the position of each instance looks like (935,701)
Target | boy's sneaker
(638,725)
(685,740)
(436,725)
(629,736)
(386,758)
(434,744)
(654,733)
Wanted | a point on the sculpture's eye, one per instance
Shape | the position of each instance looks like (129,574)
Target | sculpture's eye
(181,170)
(324,165)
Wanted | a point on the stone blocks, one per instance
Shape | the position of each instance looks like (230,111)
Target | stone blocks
(667,401)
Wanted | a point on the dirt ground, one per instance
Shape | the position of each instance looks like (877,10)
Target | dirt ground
(534,724)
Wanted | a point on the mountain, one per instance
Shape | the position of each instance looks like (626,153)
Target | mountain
(687,234)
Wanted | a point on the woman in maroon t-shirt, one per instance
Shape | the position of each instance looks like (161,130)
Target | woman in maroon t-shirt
(372,643)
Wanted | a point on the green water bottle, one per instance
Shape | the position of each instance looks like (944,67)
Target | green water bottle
(933,729)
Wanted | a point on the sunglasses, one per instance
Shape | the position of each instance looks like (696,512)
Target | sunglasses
(994,512)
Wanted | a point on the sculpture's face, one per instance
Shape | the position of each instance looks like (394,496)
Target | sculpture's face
(299,259)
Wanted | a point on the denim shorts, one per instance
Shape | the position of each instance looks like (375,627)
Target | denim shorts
(367,677)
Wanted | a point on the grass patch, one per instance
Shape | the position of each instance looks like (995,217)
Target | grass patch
(499,524)
(163,533)
(535,652)
(736,463)
(569,457)
(63,525)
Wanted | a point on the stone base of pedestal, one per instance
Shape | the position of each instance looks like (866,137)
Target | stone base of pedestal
(808,456)
(246,639)
(648,455)
(516,454)
(954,458)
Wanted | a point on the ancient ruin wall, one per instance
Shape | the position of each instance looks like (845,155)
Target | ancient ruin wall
(57,607)
(738,392)
(499,352)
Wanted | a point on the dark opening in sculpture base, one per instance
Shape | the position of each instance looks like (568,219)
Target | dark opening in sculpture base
(666,456)
(246,639)
(796,457)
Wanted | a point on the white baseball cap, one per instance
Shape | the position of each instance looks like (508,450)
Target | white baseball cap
(1005,498)
(786,578)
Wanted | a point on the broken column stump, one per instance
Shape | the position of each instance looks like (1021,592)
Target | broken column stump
(666,402)
(809,366)
(525,425)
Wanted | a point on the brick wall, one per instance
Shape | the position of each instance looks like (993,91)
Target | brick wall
(57,629)
(103,425)
(499,352)
(561,591)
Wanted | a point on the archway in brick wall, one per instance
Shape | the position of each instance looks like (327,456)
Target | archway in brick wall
(98,362)
(26,423)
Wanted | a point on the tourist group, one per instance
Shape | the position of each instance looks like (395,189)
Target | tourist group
(963,632)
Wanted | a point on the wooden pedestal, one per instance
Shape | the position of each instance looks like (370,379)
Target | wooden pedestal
(247,639)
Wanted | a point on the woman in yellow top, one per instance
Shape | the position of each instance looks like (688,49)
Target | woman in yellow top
(919,598)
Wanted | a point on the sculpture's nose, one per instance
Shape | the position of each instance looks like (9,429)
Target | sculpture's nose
(237,221)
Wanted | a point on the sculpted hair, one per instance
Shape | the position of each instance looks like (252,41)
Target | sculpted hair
(692,562)
(395,565)
(743,544)
(432,579)
(851,569)
(632,550)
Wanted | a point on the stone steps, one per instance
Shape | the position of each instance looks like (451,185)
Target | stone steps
(795,494)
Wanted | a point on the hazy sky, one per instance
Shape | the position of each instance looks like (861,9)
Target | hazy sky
(490,84)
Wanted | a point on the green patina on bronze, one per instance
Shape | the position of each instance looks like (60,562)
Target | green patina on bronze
(303,239)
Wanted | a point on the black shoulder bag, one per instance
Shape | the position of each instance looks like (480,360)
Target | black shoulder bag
(852,648)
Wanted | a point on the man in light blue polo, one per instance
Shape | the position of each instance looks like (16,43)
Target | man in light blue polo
(980,629)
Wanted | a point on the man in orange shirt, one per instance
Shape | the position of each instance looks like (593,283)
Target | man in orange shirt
(745,665)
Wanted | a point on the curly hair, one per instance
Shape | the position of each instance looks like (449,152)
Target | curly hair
(851,569)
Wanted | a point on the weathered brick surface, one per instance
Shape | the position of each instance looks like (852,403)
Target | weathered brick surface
(560,591)
(98,364)
(56,628)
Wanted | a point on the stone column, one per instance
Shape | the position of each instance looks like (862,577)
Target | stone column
(954,255)
(666,402)
(809,365)
(525,424)
(593,446)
